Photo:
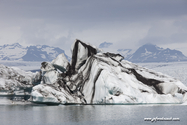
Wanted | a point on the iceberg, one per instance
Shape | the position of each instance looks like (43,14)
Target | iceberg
(15,85)
(12,78)
(94,77)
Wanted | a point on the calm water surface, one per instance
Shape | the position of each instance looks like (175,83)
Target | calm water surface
(91,114)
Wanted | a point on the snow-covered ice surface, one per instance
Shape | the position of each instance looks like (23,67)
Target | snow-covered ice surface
(6,54)
(175,69)
(24,65)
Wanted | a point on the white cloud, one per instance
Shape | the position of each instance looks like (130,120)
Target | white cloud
(10,34)
(128,24)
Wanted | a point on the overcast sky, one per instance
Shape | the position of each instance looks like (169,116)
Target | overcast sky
(125,23)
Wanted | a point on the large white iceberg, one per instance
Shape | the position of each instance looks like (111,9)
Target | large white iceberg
(94,77)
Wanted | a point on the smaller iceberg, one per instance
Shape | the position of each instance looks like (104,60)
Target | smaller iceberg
(15,85)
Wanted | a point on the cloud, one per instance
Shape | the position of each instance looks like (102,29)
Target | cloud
(126,23)
(167,32)
(93,11)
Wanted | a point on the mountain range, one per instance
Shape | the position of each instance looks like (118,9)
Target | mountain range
(145,53)
(153,53)
(150,53)
(31,53)
(105,45)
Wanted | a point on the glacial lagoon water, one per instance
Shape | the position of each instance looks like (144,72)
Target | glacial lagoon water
(92,114)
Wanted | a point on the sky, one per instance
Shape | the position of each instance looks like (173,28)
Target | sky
(125,23)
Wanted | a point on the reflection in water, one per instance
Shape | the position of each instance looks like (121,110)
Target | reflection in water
(88,114)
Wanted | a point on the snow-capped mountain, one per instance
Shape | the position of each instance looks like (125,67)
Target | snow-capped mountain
(146,53)
(30,53)
(41,53)
(105,45)
(12,52)
(126,53)
(153,53)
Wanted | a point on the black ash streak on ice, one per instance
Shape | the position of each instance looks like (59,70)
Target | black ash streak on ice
(91,51)
(95,79)
(149,82)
